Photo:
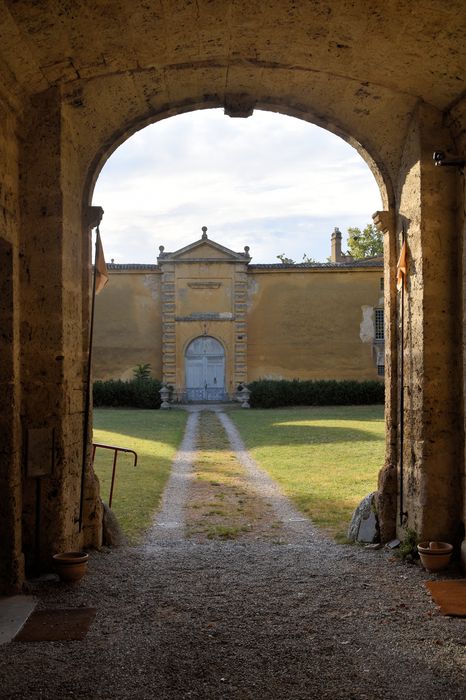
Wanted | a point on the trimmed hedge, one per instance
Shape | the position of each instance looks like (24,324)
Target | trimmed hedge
(134,393)
(271,393)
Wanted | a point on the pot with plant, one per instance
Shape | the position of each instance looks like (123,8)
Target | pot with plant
(435,556)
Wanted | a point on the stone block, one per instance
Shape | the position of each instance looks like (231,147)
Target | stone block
(364,526)
(112,533)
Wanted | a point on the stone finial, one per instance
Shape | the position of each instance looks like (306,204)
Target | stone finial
(243,394)
(246,249)
(164,397)
(161,249)
(204,233)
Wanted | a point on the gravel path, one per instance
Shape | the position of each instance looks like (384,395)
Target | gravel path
(169,522)
(296,526)
(230,620)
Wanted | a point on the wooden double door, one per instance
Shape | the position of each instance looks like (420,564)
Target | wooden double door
(205,370)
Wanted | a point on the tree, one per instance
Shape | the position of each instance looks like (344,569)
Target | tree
(288,261)
(366,243)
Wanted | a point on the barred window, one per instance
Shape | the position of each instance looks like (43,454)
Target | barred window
(381,370)
(379,324)
(381,283)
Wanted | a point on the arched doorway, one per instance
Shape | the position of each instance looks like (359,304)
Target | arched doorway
(205,370)
(57,131)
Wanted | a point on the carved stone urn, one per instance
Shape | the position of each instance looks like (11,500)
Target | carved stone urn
(164,396)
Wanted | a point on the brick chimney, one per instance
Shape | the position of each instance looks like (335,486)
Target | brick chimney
(336,255)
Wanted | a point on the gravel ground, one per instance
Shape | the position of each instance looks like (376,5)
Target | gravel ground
(306,619)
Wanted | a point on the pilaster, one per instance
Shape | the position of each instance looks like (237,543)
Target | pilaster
(53,357)
(433,437)
(387,481)
(241,325)
(168,324)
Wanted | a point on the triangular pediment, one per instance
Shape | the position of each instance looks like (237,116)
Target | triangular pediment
(204,249)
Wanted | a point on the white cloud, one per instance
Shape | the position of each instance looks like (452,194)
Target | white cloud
(275,183)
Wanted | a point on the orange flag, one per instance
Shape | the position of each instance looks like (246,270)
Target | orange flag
(402,267)
(101,274)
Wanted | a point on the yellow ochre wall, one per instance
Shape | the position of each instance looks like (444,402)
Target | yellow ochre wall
(128,324)
(312,324)
(301,323)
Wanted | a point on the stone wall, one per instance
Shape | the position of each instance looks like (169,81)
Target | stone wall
(54,338)
(433,428)
(456,122)
(312,324)
(128,324)
(298,323)
(11,558)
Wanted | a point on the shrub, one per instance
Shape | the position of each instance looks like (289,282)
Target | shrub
(271,393)
(135,393)
(142,372)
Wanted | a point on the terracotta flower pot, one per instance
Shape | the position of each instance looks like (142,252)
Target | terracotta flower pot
(435,556)
(70,566)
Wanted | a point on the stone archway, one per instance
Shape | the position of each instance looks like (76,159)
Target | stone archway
(243,106)
(75,84)
(399,196)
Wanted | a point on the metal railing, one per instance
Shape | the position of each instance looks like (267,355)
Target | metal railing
(116,450)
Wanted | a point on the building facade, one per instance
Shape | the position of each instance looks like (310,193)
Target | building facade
(206,319)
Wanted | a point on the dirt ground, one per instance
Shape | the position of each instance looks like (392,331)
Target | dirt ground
(243,616)
(222,502)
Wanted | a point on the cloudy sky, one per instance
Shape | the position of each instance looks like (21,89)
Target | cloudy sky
(274,183)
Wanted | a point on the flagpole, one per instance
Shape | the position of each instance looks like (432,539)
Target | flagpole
(87,402)
(402,401)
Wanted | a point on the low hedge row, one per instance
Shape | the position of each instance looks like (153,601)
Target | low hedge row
(134,393)
(271,393)
(265,393)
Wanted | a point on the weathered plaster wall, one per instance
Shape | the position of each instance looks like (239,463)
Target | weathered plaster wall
(433,424)
(457,123)
(76,255)
(191,298)
(52,357)
(128,325)
(11,559)
(312,324)
(300,323)
(43,400)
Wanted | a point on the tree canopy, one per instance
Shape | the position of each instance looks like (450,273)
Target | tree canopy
(366,243)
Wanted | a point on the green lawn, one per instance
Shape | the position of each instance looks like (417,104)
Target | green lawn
(326,459)
(155,436)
